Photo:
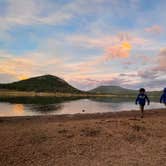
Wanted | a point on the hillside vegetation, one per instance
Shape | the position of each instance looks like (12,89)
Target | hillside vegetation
(112,90)
(49,85)
(46,83)
(120,91)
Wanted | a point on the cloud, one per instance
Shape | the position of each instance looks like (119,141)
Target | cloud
(159,67)
(104,41)
(156,84)
(152,76)
(161,59)
(113,47)
(119,51)
(28,65)
(146,78)
(33,12)
(155,29)
(89,66)
(87,82)
(5,78)
(148,74)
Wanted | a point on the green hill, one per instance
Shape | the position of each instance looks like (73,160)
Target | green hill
(46,83)
(117,90)
(50,83)
(112,90)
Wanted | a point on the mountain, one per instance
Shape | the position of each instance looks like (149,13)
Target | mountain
(112,90)
(45,83)
(117,90)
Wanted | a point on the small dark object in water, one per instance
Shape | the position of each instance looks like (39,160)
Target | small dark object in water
(83,110)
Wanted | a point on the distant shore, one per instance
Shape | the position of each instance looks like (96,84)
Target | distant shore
(120,138)
(14,93)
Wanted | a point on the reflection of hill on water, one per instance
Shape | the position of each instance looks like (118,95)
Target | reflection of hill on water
(37,100)
(120,99)
(40,104)
(113,99)
(44,108)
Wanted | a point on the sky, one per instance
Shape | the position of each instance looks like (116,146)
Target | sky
(86,42)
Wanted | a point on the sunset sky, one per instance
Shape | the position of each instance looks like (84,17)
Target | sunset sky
(86,42)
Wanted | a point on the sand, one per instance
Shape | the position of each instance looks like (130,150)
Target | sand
(84,140)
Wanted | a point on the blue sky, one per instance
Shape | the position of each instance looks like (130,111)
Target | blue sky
(88,43)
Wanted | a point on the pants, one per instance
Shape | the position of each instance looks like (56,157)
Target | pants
(142,107)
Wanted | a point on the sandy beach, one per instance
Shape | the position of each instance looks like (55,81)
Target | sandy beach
(107,139)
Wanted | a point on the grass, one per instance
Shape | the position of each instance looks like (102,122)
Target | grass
(14,93)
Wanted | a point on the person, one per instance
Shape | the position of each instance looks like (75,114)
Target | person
(163,97)
(142,98)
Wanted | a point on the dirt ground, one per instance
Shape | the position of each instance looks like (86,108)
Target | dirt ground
(110,139)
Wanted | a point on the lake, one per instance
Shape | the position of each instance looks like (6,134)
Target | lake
(55,106)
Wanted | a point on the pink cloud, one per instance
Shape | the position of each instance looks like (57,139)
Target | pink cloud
(155,72)
(116,46)
(119,51)
(107,41)
(156,29)
(31,64)
(161,59)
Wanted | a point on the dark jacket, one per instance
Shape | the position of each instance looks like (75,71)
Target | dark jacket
(163,97)
(141,99)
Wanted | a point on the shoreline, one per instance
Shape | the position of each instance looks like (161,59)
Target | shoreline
(87,116)
(103,139)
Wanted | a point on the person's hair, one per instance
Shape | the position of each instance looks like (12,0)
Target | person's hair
(142,90)
(164,90)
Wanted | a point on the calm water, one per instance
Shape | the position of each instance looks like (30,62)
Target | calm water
(45,106)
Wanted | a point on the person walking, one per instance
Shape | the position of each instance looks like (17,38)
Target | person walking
(163,97)
(141,99)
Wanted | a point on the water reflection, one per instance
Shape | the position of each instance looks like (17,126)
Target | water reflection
(42,106)
(37,100)
(45,108)
(18,109)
